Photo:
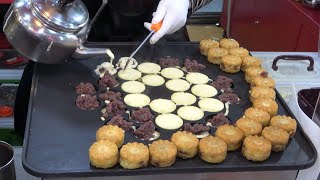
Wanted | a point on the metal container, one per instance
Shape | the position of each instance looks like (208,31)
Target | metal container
(7,170)
(313,4)
(50,31)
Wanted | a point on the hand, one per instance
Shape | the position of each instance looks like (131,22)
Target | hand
(174,15)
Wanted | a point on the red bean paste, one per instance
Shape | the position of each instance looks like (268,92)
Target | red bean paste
(218,120)
(108,80)
(195,128)
(193,66)
(168,62)
(120,122)
(111,96)
(142,115)
(87,102)
(145,131)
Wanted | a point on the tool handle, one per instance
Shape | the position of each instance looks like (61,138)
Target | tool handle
(156,27)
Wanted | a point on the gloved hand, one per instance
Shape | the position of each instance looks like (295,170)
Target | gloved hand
(174,15)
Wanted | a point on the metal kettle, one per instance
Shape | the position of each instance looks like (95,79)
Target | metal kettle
(313,4)
(50,31)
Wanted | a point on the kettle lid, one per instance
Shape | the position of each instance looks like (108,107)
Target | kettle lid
(65,15)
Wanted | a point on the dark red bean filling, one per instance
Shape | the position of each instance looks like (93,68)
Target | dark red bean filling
(120,122)
(142,115)
(145,131)
(87,102)
(222,83)
(195,128)
(218,120)
(193,66)
(85,88)
(108,80)
(264,74)
(232,98)
(114,108)
(111,96)
(168,62)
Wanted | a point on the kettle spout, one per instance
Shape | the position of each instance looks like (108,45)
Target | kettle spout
(86,53)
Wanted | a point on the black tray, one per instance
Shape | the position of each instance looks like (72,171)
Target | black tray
(59,135)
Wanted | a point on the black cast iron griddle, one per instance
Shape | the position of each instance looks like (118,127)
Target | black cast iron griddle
(59,134)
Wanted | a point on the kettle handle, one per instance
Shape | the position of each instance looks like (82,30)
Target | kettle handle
(64,3)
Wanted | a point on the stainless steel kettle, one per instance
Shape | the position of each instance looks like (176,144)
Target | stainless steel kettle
(50,31)
(313,4)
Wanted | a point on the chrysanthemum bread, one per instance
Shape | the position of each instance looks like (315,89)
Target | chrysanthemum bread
(268,105)
(212,149)
(258,115)
(111,133)
(162,153)
(230,134)
(187,144)
(241,52)
(261,92)
(278,137)
(253,72)
(207,44)
(215,55)
(286,123)
(261,81)
(256,148)
(249,126)
(250,61)
(103,154)
(134,155)
(229,43)
(231,64)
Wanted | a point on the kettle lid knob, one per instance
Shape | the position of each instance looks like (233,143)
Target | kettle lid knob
(62,15)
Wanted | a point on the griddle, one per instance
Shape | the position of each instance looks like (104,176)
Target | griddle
(58,134)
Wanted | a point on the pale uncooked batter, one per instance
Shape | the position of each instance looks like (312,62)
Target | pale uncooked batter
(149,68)
(211,105)
(197,78)
(137,100)
(182,98)
(163,106)
(133,87)
(129,74)
(153,80)
(169,121)
(190,113)
(178,85)
(172,73)
(204,90)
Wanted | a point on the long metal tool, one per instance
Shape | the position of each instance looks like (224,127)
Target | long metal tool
(154,28)
(229,18)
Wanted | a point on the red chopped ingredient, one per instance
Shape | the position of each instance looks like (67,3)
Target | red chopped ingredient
(222,83)
(142,115)
(145,131)
(193,66)
(108,80)
(232,98)
(218,120)
(6,111)
(111,96)
(87,102)
(264,74)
(120,122)
(196,128)
(114,108)
(168,62)
(85,88)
